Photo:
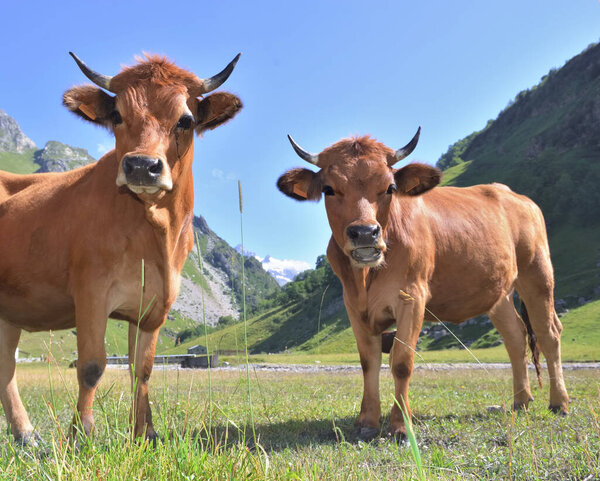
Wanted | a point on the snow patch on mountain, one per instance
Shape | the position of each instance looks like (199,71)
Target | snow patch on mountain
(282,270)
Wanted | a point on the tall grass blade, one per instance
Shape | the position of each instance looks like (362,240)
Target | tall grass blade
(208,358)
(412,439)
(319,320)
(244,313)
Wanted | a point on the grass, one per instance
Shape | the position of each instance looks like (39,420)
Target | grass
(18,163)
(304,429)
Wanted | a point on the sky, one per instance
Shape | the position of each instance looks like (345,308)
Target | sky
(318,70)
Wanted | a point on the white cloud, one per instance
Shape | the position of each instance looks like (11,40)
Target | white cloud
(220,175)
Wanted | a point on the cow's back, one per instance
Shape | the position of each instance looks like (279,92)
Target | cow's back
(479,236)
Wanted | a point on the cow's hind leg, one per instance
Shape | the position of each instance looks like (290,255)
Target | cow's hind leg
(511,328)
(16,416)
(142,346)
(535,286)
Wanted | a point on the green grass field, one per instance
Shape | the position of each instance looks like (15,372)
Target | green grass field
(304,429)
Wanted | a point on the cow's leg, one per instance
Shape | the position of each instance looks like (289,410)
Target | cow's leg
(511,328)
(91,321)
(535,286)
(16,416)
(141,356)
(369,349)
(408,326)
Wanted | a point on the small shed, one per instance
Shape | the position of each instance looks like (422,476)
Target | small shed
(197,349)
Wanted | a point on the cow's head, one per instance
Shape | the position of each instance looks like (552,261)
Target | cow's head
(153,114)
(360,184)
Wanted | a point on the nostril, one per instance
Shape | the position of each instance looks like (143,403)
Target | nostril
(376,232)
(352,233)
(127,167)
(155,167)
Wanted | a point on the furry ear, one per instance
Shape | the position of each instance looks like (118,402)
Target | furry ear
(414,179)
(300,184)
(90,103)
(215,110)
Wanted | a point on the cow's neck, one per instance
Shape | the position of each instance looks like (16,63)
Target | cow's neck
(356,281)
(171,219)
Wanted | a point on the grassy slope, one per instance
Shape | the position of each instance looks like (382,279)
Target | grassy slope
(18,163)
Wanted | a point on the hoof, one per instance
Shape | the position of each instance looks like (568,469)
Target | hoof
(152,438)
(366,433)
(559,410)
(28,439)
(399,437)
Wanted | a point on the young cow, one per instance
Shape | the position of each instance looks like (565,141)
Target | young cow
(405,251)
(72,244)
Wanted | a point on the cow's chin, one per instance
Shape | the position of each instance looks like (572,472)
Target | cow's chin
(366,257)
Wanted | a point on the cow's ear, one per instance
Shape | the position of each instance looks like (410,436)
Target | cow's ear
(215,110)
(92,104)
(414,179)
(300,184)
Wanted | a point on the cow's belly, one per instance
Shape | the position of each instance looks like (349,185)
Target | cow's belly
(464,293)
(41,310)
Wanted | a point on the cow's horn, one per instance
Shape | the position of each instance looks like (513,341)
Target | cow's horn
(407,149)
(210,84)
(311,158)
(99,79)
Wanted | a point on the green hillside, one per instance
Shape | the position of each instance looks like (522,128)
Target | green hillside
(546,145)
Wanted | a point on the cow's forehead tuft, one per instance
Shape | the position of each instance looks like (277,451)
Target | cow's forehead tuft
(153,69)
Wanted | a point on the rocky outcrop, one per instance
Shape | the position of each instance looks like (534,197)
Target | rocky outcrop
(59,157)
(12,139)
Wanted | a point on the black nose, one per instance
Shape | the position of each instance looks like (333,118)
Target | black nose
(142,170)
(363,235)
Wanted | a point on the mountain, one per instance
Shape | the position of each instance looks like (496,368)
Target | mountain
(211,287)
(58,157)
(12,139)
(546,144)
(283,270)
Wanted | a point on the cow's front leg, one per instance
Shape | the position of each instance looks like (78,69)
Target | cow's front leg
(141,357)
(409,320)
(369,349)
(91,320)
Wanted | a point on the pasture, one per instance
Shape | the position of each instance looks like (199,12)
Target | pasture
(303,426)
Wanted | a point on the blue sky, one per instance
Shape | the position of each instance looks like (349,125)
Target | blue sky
(319,70)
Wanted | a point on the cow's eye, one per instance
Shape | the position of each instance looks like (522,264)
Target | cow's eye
(115,117)
(185,122)
(327,190)
(391,189)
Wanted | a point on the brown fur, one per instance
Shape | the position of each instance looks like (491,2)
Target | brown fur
(446,252)
(73,244)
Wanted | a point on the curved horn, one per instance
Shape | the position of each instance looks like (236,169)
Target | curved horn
(210,84)
(303,154)
(407,149)
(99,79)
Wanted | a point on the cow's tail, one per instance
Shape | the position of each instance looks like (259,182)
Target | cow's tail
(535,352)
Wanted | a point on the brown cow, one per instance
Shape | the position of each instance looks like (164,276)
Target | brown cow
(405,251)
(73,244)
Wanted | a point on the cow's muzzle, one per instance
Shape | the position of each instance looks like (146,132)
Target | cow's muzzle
(366,243)
(144,174)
